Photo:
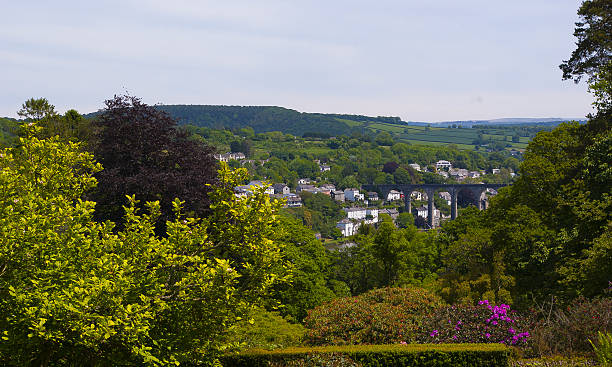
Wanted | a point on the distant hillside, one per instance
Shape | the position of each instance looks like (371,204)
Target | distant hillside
(273,118)
(8,131)
(270,118)
(544,121)
(508,133)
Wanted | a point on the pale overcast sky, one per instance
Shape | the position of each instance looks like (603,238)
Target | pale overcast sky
(420,60)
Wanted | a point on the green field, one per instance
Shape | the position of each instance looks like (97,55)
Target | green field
(425,135)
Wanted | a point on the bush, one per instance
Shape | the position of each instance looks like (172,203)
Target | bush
(375,355)
(475,324)
(266,330)
(382,316)
(567,330)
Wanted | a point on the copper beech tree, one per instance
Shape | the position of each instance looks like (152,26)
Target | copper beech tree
(144,153)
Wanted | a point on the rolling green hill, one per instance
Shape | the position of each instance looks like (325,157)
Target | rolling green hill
(496,135)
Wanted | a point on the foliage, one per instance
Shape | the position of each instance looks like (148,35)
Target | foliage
(320,213)
(593,46)
(382,316)
(405,220)
(144,154)
(311,282)
(484,323)
(603,349)
(36,109)
(260,118)
(376,355)
(9,129)
(74,291)
(388,256)
(566,330)
(266,330)
(243,145)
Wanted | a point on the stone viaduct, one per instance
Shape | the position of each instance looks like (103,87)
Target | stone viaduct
(477,191)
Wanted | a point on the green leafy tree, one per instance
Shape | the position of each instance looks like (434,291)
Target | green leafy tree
(405,219)
(37,109)
(75,292)
(594,46)
(311,282)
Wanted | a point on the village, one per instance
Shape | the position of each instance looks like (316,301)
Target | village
(360,206)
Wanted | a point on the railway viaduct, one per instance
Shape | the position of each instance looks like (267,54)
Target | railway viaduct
(477,191)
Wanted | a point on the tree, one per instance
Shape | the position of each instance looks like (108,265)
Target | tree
(401,176)
(390,167)
(37,109)
(311,279)
(73,292)
(144,154)
(384,138)
(594,46)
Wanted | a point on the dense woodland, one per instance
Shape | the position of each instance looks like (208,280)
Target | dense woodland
(122,242)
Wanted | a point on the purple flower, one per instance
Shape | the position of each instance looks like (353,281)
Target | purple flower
(512,331)
(488,335)
(434,333)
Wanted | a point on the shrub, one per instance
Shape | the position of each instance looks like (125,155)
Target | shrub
(484,323)
(76,292)
(382,316)
(375,355)
(266,330)
(567,330)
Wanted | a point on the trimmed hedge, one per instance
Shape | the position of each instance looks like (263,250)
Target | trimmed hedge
(430,355)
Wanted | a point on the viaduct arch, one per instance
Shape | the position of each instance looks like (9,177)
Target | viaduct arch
(477,190)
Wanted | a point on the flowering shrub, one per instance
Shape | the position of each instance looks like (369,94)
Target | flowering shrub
(381,316)
(484,323)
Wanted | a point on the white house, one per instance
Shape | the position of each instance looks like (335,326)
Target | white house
(495,171)
(356,213)
(443,174)
(303,181)
(353,195)
(415,166)
(324,167)
(227,156)
(473,174)
(347,227)
(372,196)
(371,216)
(417,195)
(422,211)
(442,164)
(394,195)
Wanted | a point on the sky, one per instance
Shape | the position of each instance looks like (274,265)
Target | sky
(419,60)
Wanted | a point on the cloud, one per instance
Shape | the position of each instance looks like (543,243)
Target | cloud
(356,56)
